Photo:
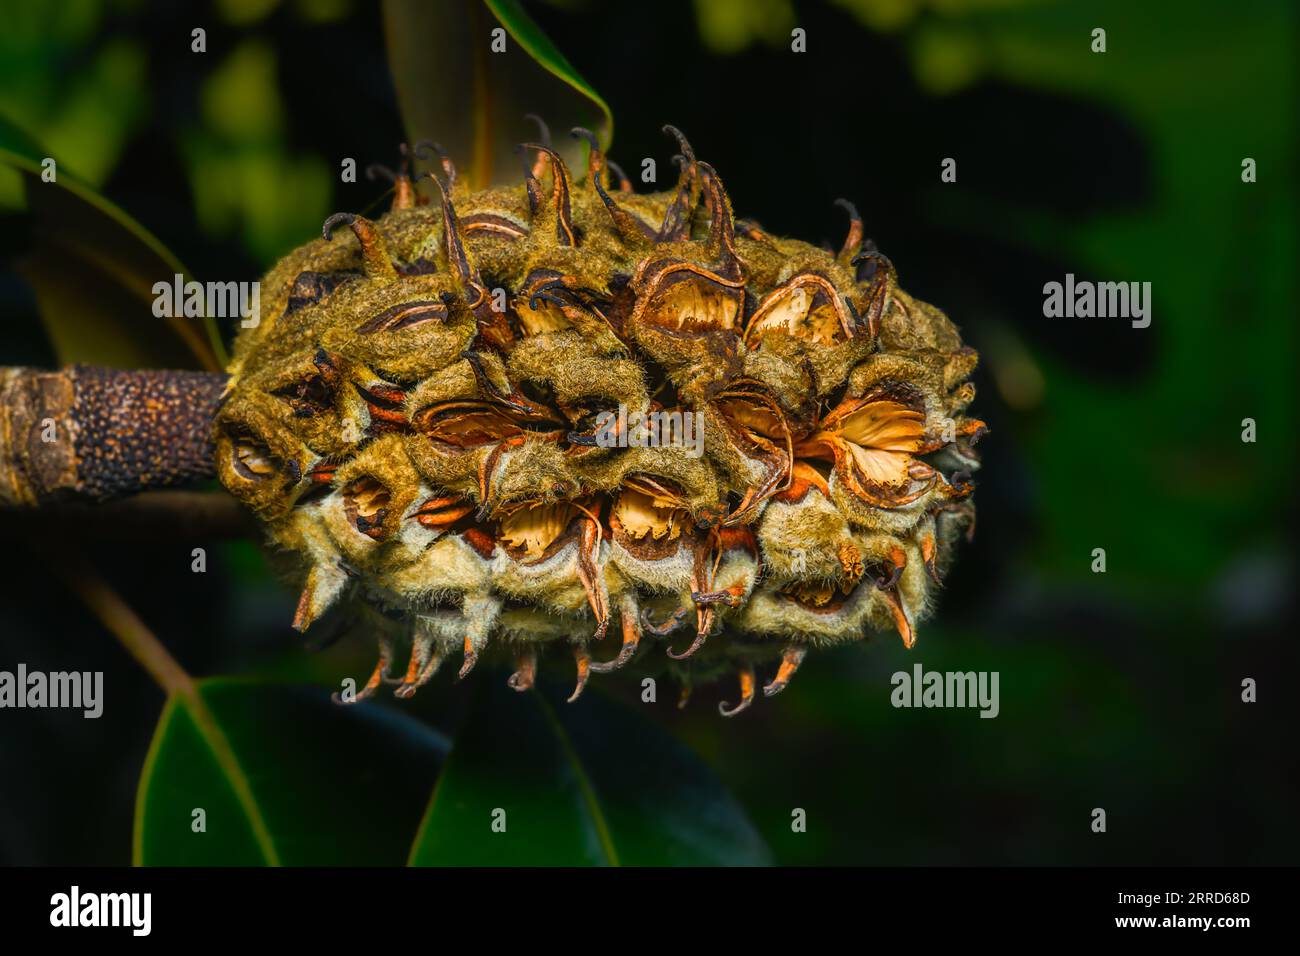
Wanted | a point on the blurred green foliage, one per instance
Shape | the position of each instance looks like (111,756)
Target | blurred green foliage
(244,176)
(79,84)
(586,784)
(337,787)
(467,87)
(728,26)
(86,113)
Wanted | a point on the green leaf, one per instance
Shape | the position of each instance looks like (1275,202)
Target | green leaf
(590,783)
(453,89)
(284,777)
(93,269)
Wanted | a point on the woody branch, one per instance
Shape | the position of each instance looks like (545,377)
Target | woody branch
(90,434)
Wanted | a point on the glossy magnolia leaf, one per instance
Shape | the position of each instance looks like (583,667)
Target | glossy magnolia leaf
(283,776)
(455,90)
(93,270)
(533,780)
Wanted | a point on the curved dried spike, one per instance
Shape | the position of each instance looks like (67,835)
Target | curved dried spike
(892,580)
(791,658)
(731,597)
(682,143)
(853,241)
(882,280)
(708,554)
(409,186)
(480,613)
(630,229)
(677,217)
(624,184)
(583,661)
(430,668)
(525,670)
(540,163)
(704,617)
(870,253)
(747,686)
(374,255)
(929,554)
(902,621)
(462,270)
(420,668)
(423,150)
(532,187)
(377,676)
(516,401)
(471,658)
(331,223)
(881,263)
(854,315)
(589,573)
(414,664)
(486,468)
(779,464)
(667,627)
(722,230)
(631,641)
(595,155)
(404,196)
(561,204)
(324,584)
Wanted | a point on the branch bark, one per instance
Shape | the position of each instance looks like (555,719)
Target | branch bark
(92,434)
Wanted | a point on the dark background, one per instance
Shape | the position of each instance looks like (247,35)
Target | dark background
(1118,690)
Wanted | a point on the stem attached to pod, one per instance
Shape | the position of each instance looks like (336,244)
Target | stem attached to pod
(92,434)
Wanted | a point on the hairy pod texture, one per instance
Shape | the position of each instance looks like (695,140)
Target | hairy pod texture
(565,413)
